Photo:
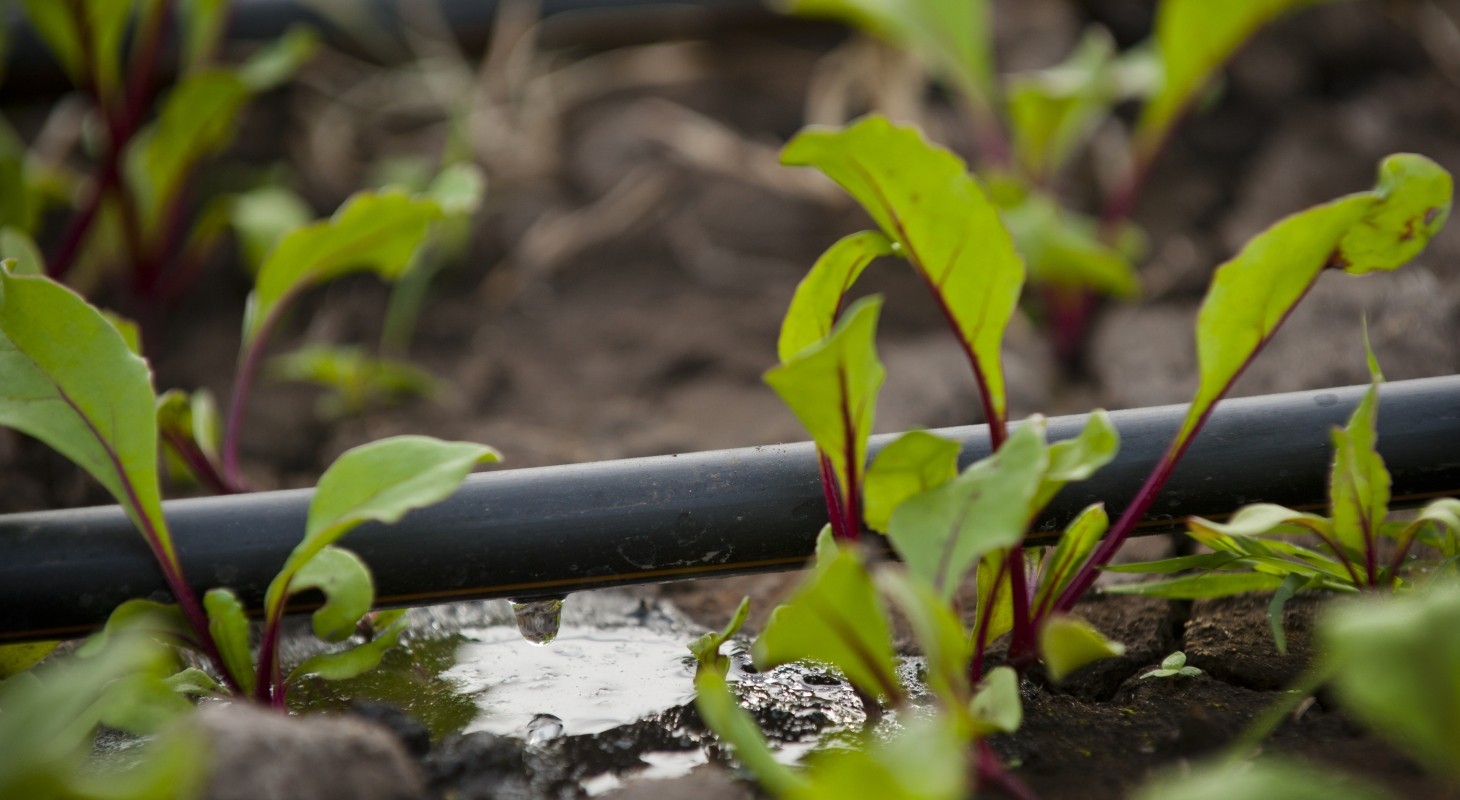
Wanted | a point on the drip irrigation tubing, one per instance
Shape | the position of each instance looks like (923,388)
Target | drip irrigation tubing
(549,531)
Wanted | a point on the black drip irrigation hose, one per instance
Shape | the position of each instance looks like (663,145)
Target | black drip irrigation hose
(554,530)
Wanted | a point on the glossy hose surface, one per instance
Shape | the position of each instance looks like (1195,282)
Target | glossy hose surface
(553,530)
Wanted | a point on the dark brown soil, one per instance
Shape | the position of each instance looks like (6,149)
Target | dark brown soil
(626,281)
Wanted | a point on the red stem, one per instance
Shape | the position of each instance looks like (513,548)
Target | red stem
(832,494)
(993,774)
(1021,640)
(985,618)
(248,369)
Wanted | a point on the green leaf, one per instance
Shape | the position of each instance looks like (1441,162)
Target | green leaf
(354,378)
(17,244)
(923,198)
(100,31)
(953,38)
(192,418)
(1067,643)
(1263,518)
(357,660)
(378,232)
(820,295)
(995,598)
(1396,663)
(202,23)
(263,216)
(161,622)
(1169,566)
(832,388)
(996,706)
(1285,591)
(130,331)
(349,592)
(17,658)
(380,482)
(72,382)
(835,617)
(197,119)
(913,463)
(194,682)
(459,188)
(1194,38)
(942,534)
(706,649)
(733,725)
(228,624)
(1264,779)
(280,59)
(927,760)
(1195,587)
(1252,294)
(1078,458)
(1066,249)
(1075,545)
(1358,489)
(1053,111)
(940,635)
(48,718)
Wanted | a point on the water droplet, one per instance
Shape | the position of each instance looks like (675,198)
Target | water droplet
(544,727)
(538,618)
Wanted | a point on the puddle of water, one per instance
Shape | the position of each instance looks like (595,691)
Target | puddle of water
(590,679)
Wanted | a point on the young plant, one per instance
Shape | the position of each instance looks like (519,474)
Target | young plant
(1252,551)
(74,383)
(1173,666)
(137,200)
(946,525)
(1029,127)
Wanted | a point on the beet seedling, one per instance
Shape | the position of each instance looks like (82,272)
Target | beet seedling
(1028,127)
(947,525)
(73,382)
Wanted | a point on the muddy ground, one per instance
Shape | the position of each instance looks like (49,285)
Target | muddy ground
(624,285)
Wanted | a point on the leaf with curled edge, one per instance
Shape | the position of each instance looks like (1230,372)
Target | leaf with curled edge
(924,199)
(819,296)
(1253,293)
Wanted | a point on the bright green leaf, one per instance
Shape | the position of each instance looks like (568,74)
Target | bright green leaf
(72,382)
(832,388)
(996,706)
(1396,663)
(941,534)
(940,635)
(706,649)
(995,599)
(1067,643)
(1194,38)
(194,682)
(202,23)
(459,189)
(357,660)
(198,119)
(913,463)
(17,658)
(228,625)
(1266,779)
(1252,294)
(923,198)
(953,38)
(733,725)
(348,590)
(820,295)
(1066,249)
(1169,566)
(1285,591)
(1055,110)
(927,760)
(1075,545)
(1206,584)
(1078,458)
(835,617)
(372,231)
(380,482)
(100,30)
(279,60)
(354,378)
(1261,518)
(17,244)
(263,216)
(1358,488)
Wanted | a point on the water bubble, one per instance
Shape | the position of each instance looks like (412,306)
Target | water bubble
(538,619)
(544,727)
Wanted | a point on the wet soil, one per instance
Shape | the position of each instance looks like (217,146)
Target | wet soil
(623,287)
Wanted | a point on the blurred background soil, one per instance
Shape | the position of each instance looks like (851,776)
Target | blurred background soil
(625,280)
